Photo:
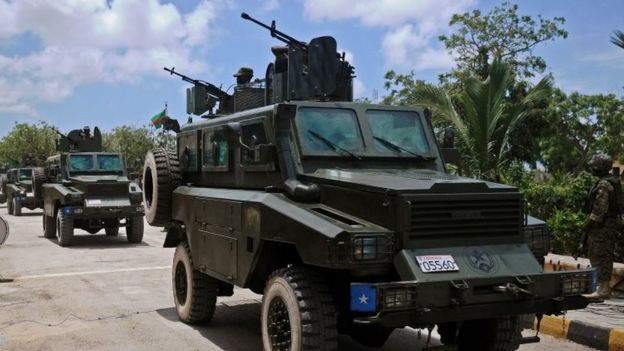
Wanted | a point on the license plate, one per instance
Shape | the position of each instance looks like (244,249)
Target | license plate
(437,263)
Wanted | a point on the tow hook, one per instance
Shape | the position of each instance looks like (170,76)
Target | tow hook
(512,289)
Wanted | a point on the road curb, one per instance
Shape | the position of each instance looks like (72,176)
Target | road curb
(601,338)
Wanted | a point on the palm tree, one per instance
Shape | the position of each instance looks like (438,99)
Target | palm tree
(482,117)
(618,38)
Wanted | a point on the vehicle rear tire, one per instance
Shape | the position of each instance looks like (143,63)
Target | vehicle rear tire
(49,226)
(112,231)
(161,175)
(194,293)
(10,205)
(370,335)
(17,207)
(65,229)
(298,312)
(135,229)
(497,334)
(38,178)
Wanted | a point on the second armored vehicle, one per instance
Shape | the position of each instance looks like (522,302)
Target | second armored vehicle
(18,190)
(88,189)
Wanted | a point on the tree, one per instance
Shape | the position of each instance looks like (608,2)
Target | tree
(618,38)
(500,35)
(28,143)
(134,142)
(582,125)
(482,117)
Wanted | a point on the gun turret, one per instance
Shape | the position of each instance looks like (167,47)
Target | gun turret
(304,71)
(79,140)
(200,98)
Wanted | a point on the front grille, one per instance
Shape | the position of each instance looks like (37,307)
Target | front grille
(106,189)
(439,216)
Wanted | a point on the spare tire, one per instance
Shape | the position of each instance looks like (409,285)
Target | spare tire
(38,178)
(161,175)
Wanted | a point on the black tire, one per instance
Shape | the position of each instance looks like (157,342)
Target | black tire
(370,335)
(298,312)
(49,226)
(17,207)
(161,175)
(499,334)
(135,229)
(64,229)
(194,293)
(10,205)
(112,231)
(38,178)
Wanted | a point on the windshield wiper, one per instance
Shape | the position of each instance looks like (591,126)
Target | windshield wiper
(392,146)
(332,145)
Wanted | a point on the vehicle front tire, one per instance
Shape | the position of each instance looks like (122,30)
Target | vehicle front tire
(135,229)
(65,229)
(161,175)
(497,334)
(17,207)
(298,312)
(49,226)
(112,231)
(194,293)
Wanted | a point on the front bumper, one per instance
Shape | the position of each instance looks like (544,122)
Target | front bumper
(80,212)
(418,304)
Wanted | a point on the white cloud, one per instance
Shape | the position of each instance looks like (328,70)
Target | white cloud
(411,26)
(85,42)
(269,5)
(359,89)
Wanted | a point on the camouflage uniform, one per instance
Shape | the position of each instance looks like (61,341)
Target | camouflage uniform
(601,236)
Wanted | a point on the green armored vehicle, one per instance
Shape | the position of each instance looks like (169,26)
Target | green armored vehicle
(17,189)
(343,216)
(88,189)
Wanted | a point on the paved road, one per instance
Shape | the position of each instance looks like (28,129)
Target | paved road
(106,294)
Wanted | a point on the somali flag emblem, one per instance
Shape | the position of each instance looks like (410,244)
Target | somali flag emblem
(363,298)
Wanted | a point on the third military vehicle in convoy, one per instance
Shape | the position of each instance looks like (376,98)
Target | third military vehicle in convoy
(17,189)
(88,189)
(343,216)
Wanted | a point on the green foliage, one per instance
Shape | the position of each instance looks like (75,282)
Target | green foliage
(581,125)
(26,142)
(134,143)
(500,35)
(566,228)
(618,38)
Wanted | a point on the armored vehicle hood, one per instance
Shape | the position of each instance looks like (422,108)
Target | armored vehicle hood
(99,178)
(403,181)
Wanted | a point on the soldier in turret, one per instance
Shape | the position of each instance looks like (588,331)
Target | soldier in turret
(244,75)
(604,209)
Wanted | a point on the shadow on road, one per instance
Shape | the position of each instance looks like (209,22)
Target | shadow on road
(237,327)
(30,214)
(100,242)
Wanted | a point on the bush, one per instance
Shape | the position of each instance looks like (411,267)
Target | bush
(565,228)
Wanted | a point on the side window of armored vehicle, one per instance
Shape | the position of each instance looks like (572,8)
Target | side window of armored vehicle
(254,135)
(216,151)
(188,151)
(323,130)
(397,128)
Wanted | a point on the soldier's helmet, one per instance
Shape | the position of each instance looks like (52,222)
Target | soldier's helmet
(244,75)
(601,163)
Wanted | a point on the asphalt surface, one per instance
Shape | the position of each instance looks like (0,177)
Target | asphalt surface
(106,294)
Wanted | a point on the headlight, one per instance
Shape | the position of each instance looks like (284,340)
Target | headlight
(371,247)
(578,283)
(398,297)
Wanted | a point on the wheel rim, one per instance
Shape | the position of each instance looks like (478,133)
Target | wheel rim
(278,325)
(181,287)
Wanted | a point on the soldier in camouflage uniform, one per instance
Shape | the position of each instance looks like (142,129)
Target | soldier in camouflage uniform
(603,207)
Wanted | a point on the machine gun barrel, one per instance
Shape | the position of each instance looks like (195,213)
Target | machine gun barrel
(210,88)
(281,36)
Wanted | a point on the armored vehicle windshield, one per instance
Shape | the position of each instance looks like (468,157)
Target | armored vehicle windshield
(25,174)
(95,163)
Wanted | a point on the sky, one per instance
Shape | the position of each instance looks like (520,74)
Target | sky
(73,63)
